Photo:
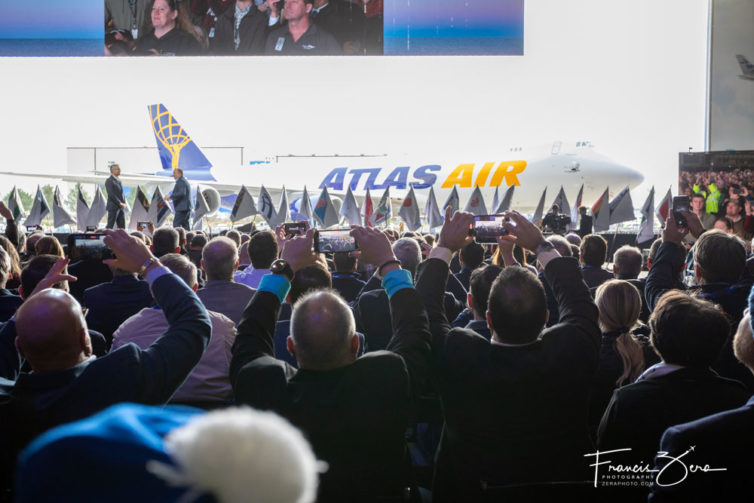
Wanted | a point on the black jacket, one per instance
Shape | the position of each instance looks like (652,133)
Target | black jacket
(252,33)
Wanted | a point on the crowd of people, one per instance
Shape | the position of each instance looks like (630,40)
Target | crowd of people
(242,27)
(417,368)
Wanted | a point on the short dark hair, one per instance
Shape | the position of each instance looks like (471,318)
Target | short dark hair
(688,330)
(480,284)
(593,250)
(198,241)
(164,240)
(35,270)
(343,261)
(235,236)
(518,305)
(698,194)
(263,249)
(306,279)
(472,255)
(181,235)
(720,256)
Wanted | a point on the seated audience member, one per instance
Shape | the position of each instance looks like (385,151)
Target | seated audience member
(194,250)
(719,261)
(697,204)
(67,383)
(142,237)
(234,236)
(593,256)
(345,20)
(687,333)
(48,245)
(263,250)
(14,274)
(479,291)
(627,262)
(89,272)
(181,239)
(140,453)
(173,33)
(515,408)
(344,279)
(299,36)
(734,212)
(165,240)
(573,238)
(355,411)
(371,309)
(30,250)
(621,355)
(244,260)
(240,29)
(470,257)
(719,441)
(110,304)
(724,224)
(207,384)
(221,294)
(8,301)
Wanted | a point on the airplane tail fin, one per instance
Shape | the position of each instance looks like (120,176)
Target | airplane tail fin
(746,67)
(177,149)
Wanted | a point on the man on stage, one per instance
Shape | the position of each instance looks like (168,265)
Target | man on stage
(181,197)
(116,203)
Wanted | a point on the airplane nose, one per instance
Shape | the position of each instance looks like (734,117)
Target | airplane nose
(630,176)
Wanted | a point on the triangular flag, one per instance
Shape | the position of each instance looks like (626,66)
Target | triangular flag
(266,209)
(39,210)
(409,211)
(622,208)
(505,204)
(244,205)
(601,212)
(562,201)
(82,211)
(97,210)
(324,211)
(663,209)
(201,208)
(60,215)
(540,208)
(15,205)
(452,201)
(350,210)
(140,211)
(384,209)
(305,207)
(475,204)
(432,211)
(495,199)
(367,209)
(283,214)
(159,210)
(576,206)
(646,229)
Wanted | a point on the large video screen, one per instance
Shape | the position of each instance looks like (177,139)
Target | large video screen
(51,28)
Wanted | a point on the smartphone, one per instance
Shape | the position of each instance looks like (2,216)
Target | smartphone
(336,240)
(91,228)
(88,247)
(680,203)
(32,228)
(295,229)
(487,228)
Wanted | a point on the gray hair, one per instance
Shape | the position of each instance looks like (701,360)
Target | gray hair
(180,266)
(408,252)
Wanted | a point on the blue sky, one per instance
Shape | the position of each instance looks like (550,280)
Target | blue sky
(52,18)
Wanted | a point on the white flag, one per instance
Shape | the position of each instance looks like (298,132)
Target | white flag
(540,208)
(601,212)
(350,210)
(159,210)
(384,209)
(305,207)
(495,199)
(201,208)
(140,211)
(97,210)
(622,208)
(505,204)
(283,213)
(266,208)
(409,211)
(452,201)
(663,209)
(324,210)
(60,215)
(367,209)
(475,204)
(15,205)
(244,205)
(432,211)
(646,229)
(82,211)
(39,209)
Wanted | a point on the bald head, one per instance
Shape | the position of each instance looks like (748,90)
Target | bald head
(220,259)
(323,331)
(51,331)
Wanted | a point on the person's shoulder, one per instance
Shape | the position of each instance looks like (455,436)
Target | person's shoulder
(219,320)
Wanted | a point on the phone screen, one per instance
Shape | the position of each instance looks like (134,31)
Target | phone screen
(337,240)
(487,228)
(89,247)
(295,229)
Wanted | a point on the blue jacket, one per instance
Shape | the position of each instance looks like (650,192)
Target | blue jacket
(181,195)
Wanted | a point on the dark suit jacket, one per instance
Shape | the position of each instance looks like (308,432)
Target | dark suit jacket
(89,273)
(595,276)
(354,416)
(42,400)
(8,304)
(464,276)
(347,285)
(721,440)
(181,195)
(110,304)
(114,189)
(513,414)
(638,413)
(226,297)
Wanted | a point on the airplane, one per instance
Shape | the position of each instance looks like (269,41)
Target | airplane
(530,169)
(747,68)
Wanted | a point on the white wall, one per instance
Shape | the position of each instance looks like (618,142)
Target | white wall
(629,75)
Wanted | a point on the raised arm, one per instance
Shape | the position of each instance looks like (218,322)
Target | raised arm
(668,263)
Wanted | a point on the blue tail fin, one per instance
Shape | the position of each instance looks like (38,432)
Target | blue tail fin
(177,149)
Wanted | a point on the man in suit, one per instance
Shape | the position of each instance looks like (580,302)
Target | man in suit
(355,411)
(720,441)
(181,197)
(345,279)
(221,294)
(67,383)
(585,222)
(470,257)
(593,256)
(116,203)
(479,292)
(516,406)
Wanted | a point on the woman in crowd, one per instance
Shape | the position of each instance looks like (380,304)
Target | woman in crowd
(173,33)
(14,278)
(49,245)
